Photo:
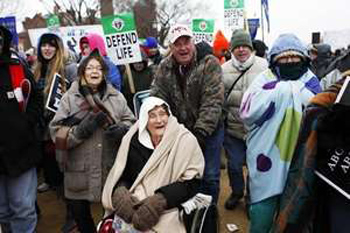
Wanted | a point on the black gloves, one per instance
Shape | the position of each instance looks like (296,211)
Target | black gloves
(90,123)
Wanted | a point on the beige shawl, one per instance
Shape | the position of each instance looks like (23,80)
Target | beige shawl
(178,157)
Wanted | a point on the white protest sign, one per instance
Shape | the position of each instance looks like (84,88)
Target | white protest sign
(70,35)
(121,39)
(203,30)
(233,14)
(55,93)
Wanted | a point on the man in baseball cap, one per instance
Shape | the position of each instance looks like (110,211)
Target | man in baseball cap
(194,89)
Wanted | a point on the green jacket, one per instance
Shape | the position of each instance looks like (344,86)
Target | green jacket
(198,103)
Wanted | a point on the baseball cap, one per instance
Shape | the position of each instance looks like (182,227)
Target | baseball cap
(178,30)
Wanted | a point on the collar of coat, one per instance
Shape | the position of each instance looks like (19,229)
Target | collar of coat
(110,90)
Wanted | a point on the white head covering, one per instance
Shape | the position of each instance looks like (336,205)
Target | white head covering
(148,105)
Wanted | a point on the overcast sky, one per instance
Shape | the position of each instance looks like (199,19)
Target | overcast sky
(301,17)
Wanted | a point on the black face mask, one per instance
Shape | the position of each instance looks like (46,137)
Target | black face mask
(291,71)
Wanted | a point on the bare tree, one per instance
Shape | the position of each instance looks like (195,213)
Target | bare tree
(123,6)
(145,17)
(180,11)
(166,13)
(106,7)
(75,12)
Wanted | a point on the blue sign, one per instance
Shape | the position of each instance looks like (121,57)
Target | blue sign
(253,25)
(10,24)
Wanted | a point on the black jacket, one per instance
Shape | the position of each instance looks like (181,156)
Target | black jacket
(19,144)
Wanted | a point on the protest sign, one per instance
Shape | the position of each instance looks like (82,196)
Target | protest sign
(121,39)
(70,35)
(55,93)
(203,30)
(53,22)
(233,14)
(10,24)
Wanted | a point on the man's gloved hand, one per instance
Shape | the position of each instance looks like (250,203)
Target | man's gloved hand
(147,215)
(124,203)
(90,123)
(201,136)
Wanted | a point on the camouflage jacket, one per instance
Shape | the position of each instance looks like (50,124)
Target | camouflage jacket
(198,105)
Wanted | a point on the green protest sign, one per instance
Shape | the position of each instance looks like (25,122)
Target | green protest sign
(53,21)
(121,38)
(203,30)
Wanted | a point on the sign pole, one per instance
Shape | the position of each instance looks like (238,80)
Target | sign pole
(262,23)
(130,78)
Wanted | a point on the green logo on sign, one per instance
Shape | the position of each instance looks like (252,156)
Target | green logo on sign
(118,24)
(234,3)
(229,4)
(203,25)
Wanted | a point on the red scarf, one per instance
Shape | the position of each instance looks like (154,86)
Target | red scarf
(21,86)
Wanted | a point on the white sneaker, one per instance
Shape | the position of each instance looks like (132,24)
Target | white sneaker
(43,187)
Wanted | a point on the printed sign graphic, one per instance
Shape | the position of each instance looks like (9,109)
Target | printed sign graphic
(203,30)
(121,38)
(55,93)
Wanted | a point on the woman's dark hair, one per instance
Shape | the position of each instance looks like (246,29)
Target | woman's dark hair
(93,55)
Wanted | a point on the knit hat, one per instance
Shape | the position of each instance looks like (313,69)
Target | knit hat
(177,31)
(150,42)
(49,38)
(220,44)
(288,53)
(240,37)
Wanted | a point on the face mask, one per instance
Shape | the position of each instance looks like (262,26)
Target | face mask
(291,71)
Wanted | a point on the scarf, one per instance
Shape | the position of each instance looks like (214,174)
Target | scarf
(241,66)
(93,104)
(21,86)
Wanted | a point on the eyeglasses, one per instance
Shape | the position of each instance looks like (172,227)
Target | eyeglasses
(91,68)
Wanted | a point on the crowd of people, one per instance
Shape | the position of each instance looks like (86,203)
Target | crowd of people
(272,110)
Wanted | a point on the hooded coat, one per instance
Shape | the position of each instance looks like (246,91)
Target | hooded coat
(271,109)
(95,41)
(19,144)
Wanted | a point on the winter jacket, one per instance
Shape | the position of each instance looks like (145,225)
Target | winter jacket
(271,109)
(234,125)
(19,144)
(198,106)
(323,60)
(83,172)
(95,41)
(303,201)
